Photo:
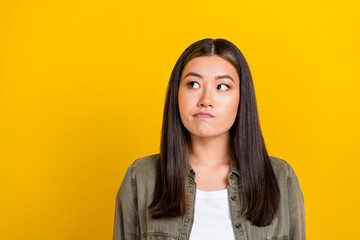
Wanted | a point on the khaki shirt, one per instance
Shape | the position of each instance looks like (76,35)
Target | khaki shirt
(133,221)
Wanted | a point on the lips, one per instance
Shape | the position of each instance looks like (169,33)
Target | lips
(203,115)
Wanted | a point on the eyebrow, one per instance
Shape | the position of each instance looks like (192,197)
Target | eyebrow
(217,77)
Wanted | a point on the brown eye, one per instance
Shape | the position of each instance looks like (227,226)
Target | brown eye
(224,85)
(190,84)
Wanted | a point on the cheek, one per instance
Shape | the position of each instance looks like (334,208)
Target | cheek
(183,103)
(232,105)
(183,106)
(183,96)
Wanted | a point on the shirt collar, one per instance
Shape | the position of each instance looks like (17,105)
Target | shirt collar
(233,165)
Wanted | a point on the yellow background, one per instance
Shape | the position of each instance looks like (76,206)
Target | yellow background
(82,90)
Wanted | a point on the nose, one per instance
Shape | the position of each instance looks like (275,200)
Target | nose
(206,99)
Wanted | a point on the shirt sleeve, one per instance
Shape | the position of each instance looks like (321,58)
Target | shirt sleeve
(125,219)
(296,208)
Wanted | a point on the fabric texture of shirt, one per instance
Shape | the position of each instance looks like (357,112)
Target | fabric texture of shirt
(132,219)
(212,216)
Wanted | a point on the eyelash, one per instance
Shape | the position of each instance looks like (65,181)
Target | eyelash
(189,83)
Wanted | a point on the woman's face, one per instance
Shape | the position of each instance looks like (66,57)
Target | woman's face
(208,84)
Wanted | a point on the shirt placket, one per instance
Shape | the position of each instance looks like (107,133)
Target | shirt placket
(188,219)
(235,207)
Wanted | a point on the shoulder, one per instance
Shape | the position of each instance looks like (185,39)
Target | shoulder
(142,166)
(146,163)
(142,172)
(282,168)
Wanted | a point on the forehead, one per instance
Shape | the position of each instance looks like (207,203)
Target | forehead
(210,66)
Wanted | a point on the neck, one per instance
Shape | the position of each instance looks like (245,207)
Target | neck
(210,151)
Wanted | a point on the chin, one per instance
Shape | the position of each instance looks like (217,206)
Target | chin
(204,134)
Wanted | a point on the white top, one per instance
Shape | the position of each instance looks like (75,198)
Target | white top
(212,216)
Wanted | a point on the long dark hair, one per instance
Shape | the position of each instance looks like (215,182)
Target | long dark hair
(258,186)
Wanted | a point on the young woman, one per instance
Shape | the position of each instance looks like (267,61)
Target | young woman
(213,177)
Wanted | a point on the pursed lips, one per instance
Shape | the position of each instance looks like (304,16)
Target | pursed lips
(203,115)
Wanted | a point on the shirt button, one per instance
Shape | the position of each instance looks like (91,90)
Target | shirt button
(233,198)
(232,176)
(187,219)
(237,225)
